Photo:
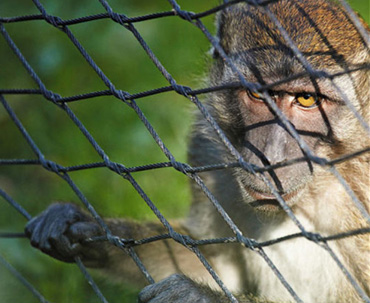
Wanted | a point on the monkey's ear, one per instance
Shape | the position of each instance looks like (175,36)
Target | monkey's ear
(220,32)
(226,27)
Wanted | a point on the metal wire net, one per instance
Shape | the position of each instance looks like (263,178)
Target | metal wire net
(127,173)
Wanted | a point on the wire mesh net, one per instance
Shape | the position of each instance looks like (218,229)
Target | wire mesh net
(44,153)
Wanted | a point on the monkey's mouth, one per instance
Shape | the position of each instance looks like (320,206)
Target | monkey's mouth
(266,201)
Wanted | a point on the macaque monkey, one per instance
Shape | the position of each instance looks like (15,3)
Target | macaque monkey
(330,42)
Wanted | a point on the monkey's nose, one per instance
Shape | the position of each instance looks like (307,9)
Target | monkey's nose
(276,145)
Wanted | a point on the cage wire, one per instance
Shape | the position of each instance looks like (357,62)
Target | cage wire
(65,172)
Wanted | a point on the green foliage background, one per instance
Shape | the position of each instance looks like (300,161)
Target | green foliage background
(178,45)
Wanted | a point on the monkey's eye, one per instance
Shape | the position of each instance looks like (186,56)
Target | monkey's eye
(307,100)
(255,95)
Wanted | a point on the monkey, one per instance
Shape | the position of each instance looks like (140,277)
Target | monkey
(317,109)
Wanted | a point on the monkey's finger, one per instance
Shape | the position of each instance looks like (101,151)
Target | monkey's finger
(30,226)
(80,231)
(63,249)
(160,298)
(56,218)
(153,290)
(170,287)
(148,293)
(88,251)
(39,230)
(31,231)
(50,240)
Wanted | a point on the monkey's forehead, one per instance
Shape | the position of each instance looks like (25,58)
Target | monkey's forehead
(319,28)
(280,63)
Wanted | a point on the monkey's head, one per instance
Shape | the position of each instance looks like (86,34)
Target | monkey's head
(317,107)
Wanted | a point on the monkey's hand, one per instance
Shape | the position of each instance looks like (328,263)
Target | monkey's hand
(60,232)
(178,289)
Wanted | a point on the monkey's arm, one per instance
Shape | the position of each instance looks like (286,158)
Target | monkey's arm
(61,230)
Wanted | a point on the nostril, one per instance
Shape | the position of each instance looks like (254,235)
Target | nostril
(275,149)
(275,157)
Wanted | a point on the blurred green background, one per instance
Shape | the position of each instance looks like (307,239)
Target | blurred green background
(178,45)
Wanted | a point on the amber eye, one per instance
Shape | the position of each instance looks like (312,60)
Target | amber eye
(307,100)
(255,95)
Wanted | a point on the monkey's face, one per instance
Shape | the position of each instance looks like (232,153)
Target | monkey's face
(266,141)
(313,107)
